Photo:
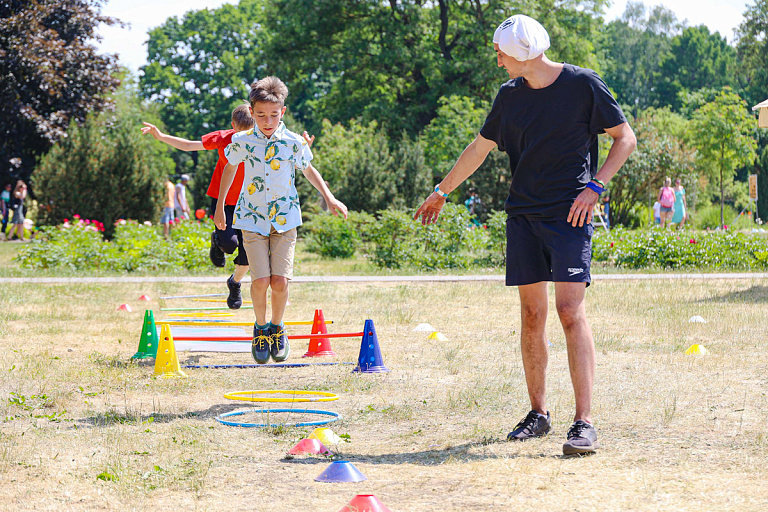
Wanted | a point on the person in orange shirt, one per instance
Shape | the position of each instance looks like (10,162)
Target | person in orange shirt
(167,217)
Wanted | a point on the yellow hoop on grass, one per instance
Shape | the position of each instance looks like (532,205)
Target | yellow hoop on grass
(251,396)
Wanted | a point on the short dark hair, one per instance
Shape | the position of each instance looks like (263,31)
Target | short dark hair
(241,117)
(270,89)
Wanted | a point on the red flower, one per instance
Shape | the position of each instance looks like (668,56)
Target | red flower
(66,220)
(693,241)
(611,244)
(76,216)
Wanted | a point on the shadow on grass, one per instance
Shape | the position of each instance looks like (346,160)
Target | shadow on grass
(112,417)
(753,295)
(456,454)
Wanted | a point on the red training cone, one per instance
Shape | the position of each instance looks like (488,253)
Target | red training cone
(145,297)
(319,346)
(124,307)
(311,446)
(365,503)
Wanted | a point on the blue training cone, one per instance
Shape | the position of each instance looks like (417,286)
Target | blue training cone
(339,472)
(370,360)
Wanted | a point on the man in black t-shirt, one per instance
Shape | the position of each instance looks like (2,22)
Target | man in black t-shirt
(547,119)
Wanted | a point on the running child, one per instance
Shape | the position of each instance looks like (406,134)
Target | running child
(267,211)
(228,239)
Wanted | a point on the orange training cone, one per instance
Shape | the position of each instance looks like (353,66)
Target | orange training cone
(319,346)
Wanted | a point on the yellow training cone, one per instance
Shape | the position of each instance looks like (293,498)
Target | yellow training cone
(325,436)
(697,349)
(437,336)
(166,362)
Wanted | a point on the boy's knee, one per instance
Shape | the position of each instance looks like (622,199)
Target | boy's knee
(261,283)
(279,283)
(228,244)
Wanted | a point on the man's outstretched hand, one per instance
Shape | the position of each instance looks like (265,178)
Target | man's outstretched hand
(430,209)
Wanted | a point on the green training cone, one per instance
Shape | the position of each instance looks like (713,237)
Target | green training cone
(149,340)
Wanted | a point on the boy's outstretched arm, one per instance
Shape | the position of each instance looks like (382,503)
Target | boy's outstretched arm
(227,177)
(176,142)
(334,205)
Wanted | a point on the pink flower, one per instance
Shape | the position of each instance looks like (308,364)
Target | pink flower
(693,241)
(725,227)
(76,216)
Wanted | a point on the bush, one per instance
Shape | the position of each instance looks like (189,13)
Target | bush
(136,247)
(709,216)
(331,236)
(664,249)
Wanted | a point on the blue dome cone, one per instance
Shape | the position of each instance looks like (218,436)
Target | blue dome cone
(370,360)
(339,472)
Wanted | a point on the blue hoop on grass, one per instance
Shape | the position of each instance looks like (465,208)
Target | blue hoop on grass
(334,417)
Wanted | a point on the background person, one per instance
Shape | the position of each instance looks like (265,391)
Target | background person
(180,203)
(540,118)
(667,201)
(167,217)
(680,214)
(5,205)
(17,204)
(657,213)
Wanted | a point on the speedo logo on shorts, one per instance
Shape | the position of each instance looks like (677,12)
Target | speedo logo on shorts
(575,271)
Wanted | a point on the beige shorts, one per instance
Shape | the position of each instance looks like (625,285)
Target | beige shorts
(270,255)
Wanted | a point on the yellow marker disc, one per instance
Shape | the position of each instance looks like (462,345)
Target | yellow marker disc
(253,396)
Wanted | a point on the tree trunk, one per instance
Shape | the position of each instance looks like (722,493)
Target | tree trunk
(722,220)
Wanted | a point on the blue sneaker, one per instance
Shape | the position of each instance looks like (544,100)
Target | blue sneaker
(280,349)
(260,344)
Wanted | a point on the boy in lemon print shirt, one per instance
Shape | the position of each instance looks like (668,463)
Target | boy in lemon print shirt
(267,211)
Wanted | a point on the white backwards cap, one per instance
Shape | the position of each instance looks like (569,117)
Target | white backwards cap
(521,37)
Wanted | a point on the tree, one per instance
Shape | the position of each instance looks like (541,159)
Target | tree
(52,76)
(696,59)
(105,170)
(723,131)
(659,153)
(752,49)
(634,47)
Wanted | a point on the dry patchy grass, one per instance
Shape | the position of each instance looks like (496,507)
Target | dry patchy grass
(84,428)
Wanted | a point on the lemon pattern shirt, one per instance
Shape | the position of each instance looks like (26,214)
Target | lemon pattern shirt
(268,197)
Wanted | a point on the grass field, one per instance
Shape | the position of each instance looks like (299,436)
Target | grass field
(83,428)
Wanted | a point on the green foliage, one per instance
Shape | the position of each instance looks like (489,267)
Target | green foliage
(752,49)
(658,154)
(358,165)
(135,248)
(709,216)
(52,76)
(331,236)
(695,58)
(104,170)
(723,133)
(669,249)
(399,240)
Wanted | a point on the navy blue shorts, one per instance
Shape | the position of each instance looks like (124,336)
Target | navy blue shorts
(547,250)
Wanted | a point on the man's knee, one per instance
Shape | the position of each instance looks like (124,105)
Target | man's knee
(534,314)
(570,312)
(279,283)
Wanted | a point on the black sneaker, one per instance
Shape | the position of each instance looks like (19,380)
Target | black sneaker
(533,425)
(235,300)
(582,438)
(280,349)
(260,344)
(215,253)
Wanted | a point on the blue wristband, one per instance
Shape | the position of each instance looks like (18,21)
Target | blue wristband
(440,192)
(595,187)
